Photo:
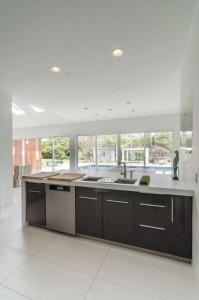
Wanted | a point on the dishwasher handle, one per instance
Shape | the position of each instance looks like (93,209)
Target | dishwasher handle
(59,188)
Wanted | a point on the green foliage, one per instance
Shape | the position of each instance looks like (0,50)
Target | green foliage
(86,148)
(47,149)
(132,140)
(61,148)
(162,139)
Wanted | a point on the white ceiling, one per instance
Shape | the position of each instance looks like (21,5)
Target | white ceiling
(79,36)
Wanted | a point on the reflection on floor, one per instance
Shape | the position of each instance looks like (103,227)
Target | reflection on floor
(12,213)
(42,265)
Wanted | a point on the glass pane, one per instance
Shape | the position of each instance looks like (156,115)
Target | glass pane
(86,151)
(158,149)
(33,154)
(186,140)
(17,152)
(61,153)
(107,149)
(47,154)
(132,148)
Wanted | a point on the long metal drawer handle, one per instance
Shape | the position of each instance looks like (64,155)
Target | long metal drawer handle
(90,198)
(152,227)
(116,201)
(172,217)
(38,192)
(153,205)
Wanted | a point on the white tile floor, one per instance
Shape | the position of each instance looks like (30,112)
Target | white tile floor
(41,265)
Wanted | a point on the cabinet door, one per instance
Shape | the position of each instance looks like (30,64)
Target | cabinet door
(181,233)
(89,211)
(118,216)
(36,204)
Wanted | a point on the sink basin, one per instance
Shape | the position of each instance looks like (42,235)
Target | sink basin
(92,178)
(125,181)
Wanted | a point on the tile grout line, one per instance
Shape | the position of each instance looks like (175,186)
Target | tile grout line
(29,257)
(5,287)
(64,266)
(94,278)
(157,297)
(19,267)
(24,252)
(38,250)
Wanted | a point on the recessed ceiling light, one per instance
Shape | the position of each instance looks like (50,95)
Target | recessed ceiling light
(128,102)
(117,53)
(37,109)
(55,69)
(17,110)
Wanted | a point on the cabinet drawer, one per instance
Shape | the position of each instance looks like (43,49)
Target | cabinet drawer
(153,238)
(154,211)
(88,193)
(32,186)
(122,196)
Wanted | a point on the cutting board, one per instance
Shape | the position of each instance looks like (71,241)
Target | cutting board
(67,176)
(40,175)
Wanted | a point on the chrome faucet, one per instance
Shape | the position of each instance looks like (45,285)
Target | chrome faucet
(125,170)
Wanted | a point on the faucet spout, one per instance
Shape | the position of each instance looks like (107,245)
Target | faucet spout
(125,170)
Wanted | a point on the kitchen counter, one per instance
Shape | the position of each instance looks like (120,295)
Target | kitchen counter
(157,217)
(159,184)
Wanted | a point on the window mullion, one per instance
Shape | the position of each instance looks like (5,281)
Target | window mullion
(53,158)
(96,163)
(144,149)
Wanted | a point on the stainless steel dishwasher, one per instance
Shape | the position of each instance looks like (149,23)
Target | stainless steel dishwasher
(60,208)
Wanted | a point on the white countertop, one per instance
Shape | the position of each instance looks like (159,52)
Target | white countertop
(159,184)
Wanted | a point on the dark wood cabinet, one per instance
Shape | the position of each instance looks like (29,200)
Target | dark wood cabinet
(181,230)
(36,204)
(118,216)
(155,222)
(163,223)
(89,211)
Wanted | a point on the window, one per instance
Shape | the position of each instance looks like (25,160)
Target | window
(61,153)
(86,151)
(158,149)
(132,148)
(47,154)
(107,149)
(186,140)
(55,153)
(33,154)
(17,152)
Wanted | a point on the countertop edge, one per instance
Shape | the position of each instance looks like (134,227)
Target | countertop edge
(123,187)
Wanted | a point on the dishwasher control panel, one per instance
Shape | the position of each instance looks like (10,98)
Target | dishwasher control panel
(61,188)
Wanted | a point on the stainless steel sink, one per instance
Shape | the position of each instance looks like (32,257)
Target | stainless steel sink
(92,178)
(125,181)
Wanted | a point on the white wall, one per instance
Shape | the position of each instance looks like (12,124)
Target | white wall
(133,125)
(5,149)
(190,86)
(164,122)
(153,123)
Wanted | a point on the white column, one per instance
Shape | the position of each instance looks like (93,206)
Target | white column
(6,164)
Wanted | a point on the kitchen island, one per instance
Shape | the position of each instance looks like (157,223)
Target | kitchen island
(157,217)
